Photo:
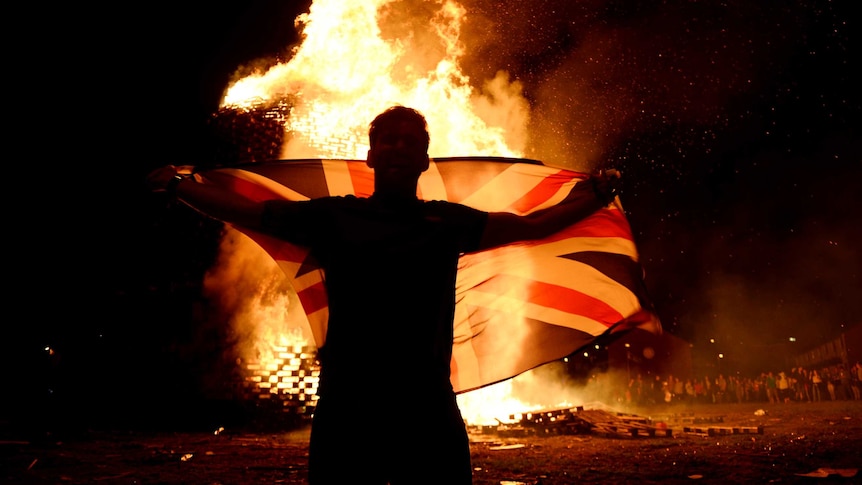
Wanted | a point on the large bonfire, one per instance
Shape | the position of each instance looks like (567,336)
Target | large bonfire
(354,60)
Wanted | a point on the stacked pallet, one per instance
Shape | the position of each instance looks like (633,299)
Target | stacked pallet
(546,422)
(688,418)
(723,430)
(260,131)
(289,379)
(578,420)
(621,425)
(250,134)
(612,424)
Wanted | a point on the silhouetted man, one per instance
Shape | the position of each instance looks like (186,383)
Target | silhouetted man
(389,262)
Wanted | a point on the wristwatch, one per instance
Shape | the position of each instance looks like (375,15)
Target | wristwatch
(171,187)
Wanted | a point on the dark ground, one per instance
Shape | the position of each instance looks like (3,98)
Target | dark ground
(797,439)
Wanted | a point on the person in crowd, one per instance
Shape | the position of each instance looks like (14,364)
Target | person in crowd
(690,393)
(816,385)
(842,383)
(771,388)
(856,380)
(720,388)
(782,383)
(830,379)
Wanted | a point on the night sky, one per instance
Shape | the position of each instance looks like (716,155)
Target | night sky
(735,124)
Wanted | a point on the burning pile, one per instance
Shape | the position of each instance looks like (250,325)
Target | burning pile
(250,134)
(318,105)
(577,420)
(289,379)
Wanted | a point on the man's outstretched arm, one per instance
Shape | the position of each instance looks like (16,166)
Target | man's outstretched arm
(209,199)
(584,199)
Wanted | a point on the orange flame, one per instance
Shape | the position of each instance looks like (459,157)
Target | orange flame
(345,72)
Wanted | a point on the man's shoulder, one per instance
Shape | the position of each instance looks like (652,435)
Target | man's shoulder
(314,207)
(448,207)
(341,199)
(336,200)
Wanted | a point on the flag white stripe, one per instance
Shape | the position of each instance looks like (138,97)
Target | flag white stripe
(319,321)
(431,184)
(504,190)
(300,282)
(338,179)
(527,262)
(569,274)
(578,244)
(513,307)
(468,365)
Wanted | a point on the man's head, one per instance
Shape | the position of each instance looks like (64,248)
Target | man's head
(396,115)
(399,148)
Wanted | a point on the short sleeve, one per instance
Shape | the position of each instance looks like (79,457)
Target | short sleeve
(466,223)
(294,221)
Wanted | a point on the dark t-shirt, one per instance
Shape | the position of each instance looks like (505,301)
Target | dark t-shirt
(390,277)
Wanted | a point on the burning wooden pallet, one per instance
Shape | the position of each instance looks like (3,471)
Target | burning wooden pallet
(688,423)
(581,421)
(690,418)
(622,425)
(600,422)
(724,430)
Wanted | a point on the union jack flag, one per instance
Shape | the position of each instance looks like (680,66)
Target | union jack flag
(517,306)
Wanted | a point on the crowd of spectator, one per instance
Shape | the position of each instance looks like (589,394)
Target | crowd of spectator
(833,383)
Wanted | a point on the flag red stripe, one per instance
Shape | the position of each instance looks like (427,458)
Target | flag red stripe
(313,298)
(245,188)
(552,296)
(539,194)
(603,223)
(362,179)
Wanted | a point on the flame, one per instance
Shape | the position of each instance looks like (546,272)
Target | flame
(344,72)
(356,59)
(492,405)
(543,388)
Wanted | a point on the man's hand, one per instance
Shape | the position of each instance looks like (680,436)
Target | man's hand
(160,179)
(606,184)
